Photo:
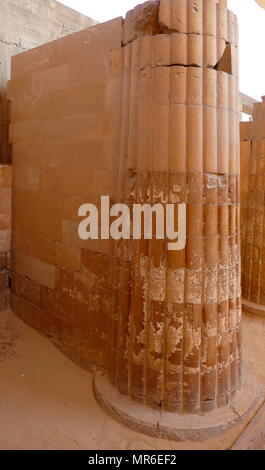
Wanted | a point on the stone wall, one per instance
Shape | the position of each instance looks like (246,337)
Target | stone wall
(25,25)
(146,111)
(61,133)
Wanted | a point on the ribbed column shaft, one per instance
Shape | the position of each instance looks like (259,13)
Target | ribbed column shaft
(253,213)
(177,315)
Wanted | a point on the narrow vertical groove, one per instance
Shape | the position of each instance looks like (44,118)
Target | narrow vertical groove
(250,228)
(201,326)
(253,266)
(149,250)
(258,231)
(123,308)
(220,333)
(165,316)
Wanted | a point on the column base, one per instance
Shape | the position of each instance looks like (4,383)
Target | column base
(255,309)
(174,426)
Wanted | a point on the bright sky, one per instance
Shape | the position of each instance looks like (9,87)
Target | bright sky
(252,34)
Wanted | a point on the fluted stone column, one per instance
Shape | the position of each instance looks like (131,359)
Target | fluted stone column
(253,213)
(177,315)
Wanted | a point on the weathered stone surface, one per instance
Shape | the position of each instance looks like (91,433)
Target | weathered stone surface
(164,128)
(23,26)
(61,284)
(25,288)
(142,21)
(5,232)
(253,210)
(177,329)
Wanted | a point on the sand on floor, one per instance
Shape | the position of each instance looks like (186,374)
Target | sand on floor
(46,401)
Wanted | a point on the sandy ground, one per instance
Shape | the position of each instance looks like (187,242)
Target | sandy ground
(46,401)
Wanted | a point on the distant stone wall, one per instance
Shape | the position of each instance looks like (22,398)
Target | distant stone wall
(253,211)
(25,24)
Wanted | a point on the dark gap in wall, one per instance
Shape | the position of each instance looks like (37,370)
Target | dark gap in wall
(225,63)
